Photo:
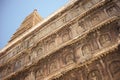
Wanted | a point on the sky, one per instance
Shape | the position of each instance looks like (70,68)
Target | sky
(13,12)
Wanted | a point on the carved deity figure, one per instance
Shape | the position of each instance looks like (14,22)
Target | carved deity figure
(27,78)
(88,5)
(65,36)
(86,49)
(95,19)
(112,11)
(81,27)
(39,74)
(104,39)
(17,65)
(94,75)
(69,59)
(53,66)
(115,68)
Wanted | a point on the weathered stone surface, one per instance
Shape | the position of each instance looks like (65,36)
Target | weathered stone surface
(80,43)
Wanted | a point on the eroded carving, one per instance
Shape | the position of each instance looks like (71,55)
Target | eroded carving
(68,57)
(53,66)
(94,75)
(87,5)
(65,34)
(81,27)
(39,74)
(104,39)
(95,19)
(95,1)
(112,10)
(86,49)
(50,42)
(115,68)
(17,65)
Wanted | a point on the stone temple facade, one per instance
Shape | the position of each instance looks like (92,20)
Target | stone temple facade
(80,41)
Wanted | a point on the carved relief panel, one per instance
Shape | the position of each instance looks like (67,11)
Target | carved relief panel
(71,76)
(65,34)
(40,49)
(10,68)
(39,74)
(95,1)
(83,51)
(68,56)
(86,49)
(94,75)
(27,58)
(81,27)
(53,66)
(68,16)
(95,71)
(37,51)
(104,39)
(113,65)
(27,77)
(50,42)
(41,70)
(75,30)
(61,21)
(17,65)
(112,10)
(87,5)
(95,18)
(33,54)
(94,42)
(76,11)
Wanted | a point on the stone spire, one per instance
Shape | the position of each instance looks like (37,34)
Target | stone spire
(29,22)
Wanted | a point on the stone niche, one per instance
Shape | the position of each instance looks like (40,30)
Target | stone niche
(100,69)
(96,41)
(41,70)
(65,34)
(68,56)
(50,43)
(112,63)
(53,64)
(113,10)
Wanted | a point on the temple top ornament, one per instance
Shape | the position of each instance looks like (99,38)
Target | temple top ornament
(30,21)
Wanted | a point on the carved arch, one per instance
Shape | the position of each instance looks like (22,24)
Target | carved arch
(112,10)
(94,75)
(86,49)
(39,74)
(53,66)
(68,56)
(65,34)
(104,39)
(17,65)
(114,67)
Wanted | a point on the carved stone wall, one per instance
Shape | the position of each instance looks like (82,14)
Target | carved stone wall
(104,68)
(75,38)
